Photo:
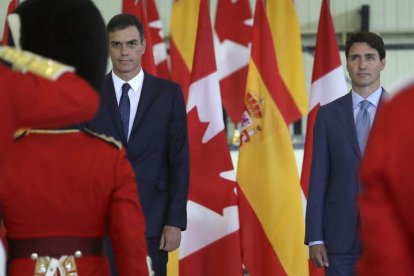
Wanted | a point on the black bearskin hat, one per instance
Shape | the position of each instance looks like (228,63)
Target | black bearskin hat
(69,31)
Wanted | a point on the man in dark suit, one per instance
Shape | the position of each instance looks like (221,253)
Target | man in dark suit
(340,134)
(148,115)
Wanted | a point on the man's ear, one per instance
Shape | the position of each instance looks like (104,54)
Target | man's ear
(144,45)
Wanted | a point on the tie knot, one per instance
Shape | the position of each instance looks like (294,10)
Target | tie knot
(364,104)
(125,88)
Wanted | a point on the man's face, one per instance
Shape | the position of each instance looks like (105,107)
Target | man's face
(126,50)
(364,66)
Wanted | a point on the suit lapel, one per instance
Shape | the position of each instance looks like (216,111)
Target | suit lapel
(346,115)
(144,101)
(109,98)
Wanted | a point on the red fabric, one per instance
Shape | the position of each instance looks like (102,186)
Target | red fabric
(327,50)
(27,100)
(231,25)
(179,71)
(136,8)
(157,37)
(387,200)
(73,184)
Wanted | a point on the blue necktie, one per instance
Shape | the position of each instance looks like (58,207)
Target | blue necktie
(362,125)
(124,107)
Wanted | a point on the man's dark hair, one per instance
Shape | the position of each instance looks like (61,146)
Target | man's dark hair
(373,40)
(124,20)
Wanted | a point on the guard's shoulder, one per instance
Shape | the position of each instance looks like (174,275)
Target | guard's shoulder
(109,139)
(23,61)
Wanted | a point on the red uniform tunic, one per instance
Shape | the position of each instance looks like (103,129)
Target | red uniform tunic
(73,184)
(387,199)
(28,100)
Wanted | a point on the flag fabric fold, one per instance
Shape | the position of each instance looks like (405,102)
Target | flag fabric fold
(232,39)
(213,226)
(270,201)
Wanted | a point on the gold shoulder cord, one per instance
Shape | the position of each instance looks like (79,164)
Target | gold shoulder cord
(20,133)
(23,61)
(108,139)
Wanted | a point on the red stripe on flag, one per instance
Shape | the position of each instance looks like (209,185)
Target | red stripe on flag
(255,242)
(265,60)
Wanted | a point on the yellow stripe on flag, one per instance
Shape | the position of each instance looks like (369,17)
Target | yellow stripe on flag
(284,24)
(184,21)
(269,178)
(172,265)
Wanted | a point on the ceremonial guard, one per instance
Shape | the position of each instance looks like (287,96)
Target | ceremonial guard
(63,190)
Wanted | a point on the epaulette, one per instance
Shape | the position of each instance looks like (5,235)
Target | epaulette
(109,139)
(22,132)
(23,61)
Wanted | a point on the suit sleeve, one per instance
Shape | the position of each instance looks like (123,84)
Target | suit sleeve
(386,216)
(318,180)
(126,222)
(178,156)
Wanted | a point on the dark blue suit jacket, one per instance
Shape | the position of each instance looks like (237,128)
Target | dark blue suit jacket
(331,213)
(157,149)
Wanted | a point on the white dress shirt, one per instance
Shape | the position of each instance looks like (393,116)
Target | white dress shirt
(134,94)
(374,99)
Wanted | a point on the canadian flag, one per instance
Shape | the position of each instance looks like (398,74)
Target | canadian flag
(136,7)
(328,84)
(213,225)
(159,48)
(233,35)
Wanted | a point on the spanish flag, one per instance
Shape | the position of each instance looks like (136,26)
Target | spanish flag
(183,29)
(270,200)
(287,42)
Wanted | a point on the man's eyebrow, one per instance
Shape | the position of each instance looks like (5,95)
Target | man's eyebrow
(134,40)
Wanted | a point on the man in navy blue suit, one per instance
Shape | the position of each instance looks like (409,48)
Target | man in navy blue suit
(148,115)
(340,134)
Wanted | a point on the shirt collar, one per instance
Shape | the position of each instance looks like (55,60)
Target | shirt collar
(135,83)
(373,98)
